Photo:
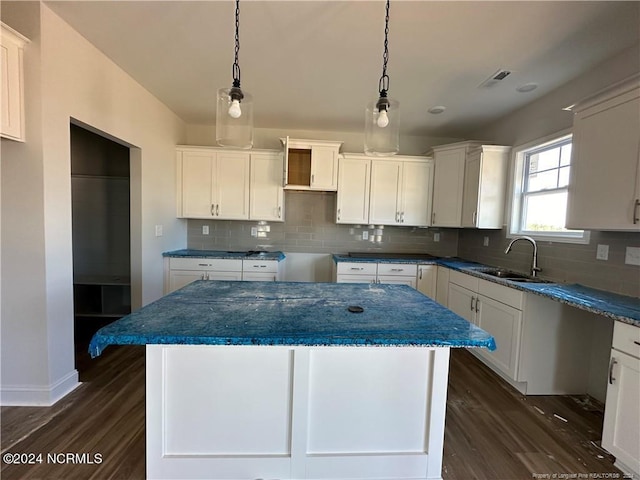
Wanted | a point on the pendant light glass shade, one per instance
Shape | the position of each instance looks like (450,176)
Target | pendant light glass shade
(382,128)
(382,118)
(234,108)
(234,119)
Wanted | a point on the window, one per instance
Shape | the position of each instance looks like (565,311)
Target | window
(541,183)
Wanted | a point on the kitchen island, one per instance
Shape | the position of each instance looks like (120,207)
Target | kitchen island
(250,380)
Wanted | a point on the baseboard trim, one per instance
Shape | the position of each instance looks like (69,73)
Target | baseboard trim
(38,396)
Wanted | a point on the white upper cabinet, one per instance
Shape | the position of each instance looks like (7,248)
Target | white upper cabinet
(266,196)
(483,196)
(469,185)
(12,85)
(310,164)
(604,184)
(354,176)
(401,189)
(212,184)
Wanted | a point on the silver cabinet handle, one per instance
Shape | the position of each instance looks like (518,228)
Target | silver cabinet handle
(202,277)
(313,178)
(420,274)
(338,214)
(473,299)
(433,217)
(279,213)
(611,365)
(635,212)
(356,268)
(477,305)
(401,217)
(397,269)
(217,210)
(475,219)
(203,264)
(212,214)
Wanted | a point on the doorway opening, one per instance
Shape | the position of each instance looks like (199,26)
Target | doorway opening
(100,198)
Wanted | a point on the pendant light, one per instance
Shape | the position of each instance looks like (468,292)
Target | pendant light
(382,119)
(234,110)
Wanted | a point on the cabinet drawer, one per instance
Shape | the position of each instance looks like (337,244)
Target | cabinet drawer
(217,264)
(359,268)
(263,266)
(467,281)
(626,338)
(509,296)
(397,269)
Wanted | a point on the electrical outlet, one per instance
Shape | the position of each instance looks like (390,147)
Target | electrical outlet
(254,231)
(205,229)
(365,235)
(436,237)
(158,230)
(485,242)
(602,252)
(632,256)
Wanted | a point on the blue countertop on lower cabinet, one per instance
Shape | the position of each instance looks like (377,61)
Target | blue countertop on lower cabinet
(301,314)
(237,255)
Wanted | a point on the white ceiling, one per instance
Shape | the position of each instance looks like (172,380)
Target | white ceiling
(313,65)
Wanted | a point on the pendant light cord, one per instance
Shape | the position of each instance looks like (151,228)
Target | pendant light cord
(236,67)
(383,84)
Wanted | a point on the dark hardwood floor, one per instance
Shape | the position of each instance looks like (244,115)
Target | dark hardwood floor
(492,432)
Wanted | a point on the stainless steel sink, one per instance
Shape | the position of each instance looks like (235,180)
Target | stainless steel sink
(512,276)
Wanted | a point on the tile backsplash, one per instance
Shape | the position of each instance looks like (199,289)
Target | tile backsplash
(562,262)
(310,228)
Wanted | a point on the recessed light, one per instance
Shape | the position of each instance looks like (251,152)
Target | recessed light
(527,87)
(437,109)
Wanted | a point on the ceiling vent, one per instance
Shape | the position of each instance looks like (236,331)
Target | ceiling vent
(495,79)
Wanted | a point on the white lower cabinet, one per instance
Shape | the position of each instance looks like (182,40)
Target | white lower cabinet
(261,270)
(248,412)
(541,343)
(502,320)
(366,272)
(426,282)
(621,428)
(182,271)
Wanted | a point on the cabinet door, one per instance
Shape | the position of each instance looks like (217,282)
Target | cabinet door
(504,323)
(354,176)
(265,192)
(620,434)
(471,189)
(447,188)
(197,183)
(604,165)
(385,184)
(442,286)
(231,191)
(324,167)
(427,280)
(11,69)
(364,278)
(231,276)
(180,278)
(416,193)
(462,302)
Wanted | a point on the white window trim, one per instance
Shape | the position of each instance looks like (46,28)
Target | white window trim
(516,180)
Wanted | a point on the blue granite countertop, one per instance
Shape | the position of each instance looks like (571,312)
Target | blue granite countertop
(612,305)
(238,255)
(405,258)
(300,314)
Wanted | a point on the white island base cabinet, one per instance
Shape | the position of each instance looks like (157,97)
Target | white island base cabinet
(280,412)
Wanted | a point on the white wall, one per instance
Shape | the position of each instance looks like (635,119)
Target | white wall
(546,115)
(70,79)
(205,135)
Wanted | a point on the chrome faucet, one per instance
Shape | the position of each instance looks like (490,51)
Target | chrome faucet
(534,264)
